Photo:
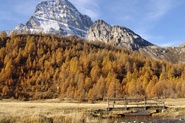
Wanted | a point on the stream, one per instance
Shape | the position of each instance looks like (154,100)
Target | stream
(143,119)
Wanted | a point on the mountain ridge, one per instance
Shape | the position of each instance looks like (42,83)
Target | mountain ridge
(61,17)
(116,35)
(58,17)
(121,36)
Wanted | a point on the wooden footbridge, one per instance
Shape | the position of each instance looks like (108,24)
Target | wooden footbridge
(135,103)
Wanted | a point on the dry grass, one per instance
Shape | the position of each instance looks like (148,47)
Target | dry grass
(176,108)
(176,103)
(49,111)
(55,111)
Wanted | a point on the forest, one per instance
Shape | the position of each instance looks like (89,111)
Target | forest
(41,66)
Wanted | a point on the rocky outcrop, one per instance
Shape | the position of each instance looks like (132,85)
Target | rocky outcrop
(120,36)
(116,35)
(58,17)
(182,45)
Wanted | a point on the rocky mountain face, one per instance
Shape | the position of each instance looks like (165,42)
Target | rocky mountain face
(182,45)
(58,17)
(170,54)
(116,35)
(61,17)
(123,37)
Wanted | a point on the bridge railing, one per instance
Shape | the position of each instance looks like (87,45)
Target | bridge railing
(135,103)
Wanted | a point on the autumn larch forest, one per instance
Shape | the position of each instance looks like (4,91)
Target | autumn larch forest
(40,66)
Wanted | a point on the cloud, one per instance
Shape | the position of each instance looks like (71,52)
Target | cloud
(153,12)
(158,8)
(88,7)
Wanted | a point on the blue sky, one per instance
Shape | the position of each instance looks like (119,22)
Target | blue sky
(161,22)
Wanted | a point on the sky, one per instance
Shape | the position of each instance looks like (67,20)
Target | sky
(161,22)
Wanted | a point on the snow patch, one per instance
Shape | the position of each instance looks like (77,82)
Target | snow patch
(59,17)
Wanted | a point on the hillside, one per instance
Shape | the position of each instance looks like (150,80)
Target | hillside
(120,36)
(45,66)
(169,54)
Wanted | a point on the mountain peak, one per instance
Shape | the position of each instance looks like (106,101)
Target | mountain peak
(116,35)
(100,21)
(59,17)
(60,1)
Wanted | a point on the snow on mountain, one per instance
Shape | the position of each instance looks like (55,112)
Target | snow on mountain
(58,17)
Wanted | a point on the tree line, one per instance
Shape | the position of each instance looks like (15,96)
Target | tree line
(40,66)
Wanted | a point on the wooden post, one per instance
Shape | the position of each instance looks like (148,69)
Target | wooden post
(145,103)
(125,103)
(108,103)
(164,99)
(163,105)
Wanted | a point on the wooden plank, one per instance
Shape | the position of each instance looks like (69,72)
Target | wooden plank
(120,99)
(134,102)
(139,113)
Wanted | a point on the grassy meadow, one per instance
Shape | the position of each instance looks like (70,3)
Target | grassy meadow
(56,111)
(50,111)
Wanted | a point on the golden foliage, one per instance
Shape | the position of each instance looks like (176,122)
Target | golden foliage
(44,66)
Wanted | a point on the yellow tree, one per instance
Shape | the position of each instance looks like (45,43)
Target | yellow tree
(114,88)
(95,72)
(9,69)
(88,83)
(74,65)
(183,89)
(151,84)
(132,88)
(3,35)
(98,90)
(5,91)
